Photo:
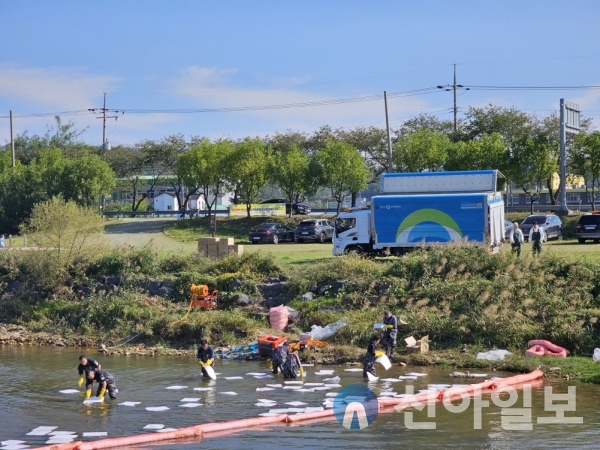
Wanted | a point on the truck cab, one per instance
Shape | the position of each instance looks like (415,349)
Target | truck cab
(352,232)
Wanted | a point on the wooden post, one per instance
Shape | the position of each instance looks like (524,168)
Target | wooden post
(24,240)
(10,241)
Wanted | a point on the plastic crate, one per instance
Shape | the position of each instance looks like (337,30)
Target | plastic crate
(267,344)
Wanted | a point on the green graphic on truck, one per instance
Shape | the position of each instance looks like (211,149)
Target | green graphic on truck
(428,225)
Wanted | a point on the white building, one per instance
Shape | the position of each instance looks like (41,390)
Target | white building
(165,202)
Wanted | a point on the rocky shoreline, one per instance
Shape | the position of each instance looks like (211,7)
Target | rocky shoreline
(18,335)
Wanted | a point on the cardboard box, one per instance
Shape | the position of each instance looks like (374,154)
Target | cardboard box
(420,346)
(227,241)
(238,249)
(208,240)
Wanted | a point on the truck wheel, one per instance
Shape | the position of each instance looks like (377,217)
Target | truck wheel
(322,238)
(581,241)
(275,239)
(299,241)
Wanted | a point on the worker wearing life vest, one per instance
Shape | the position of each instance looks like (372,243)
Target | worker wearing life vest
(105,381)
(537,236)
(206,356)
(390,333)
(86,365)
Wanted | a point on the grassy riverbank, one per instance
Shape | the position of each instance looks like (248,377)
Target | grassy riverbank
(456,295)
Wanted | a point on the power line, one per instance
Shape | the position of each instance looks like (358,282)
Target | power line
(531,88)
(349,100)
(339,101)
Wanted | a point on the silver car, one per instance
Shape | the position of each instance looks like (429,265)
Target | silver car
(320,230)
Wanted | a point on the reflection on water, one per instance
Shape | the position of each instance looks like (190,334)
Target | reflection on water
(32,376)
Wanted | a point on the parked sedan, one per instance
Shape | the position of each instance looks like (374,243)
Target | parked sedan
(271,232)
(297,208)
(319,230)
(551,224)
(508,227)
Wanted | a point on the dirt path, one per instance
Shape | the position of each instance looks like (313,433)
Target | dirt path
(141,232)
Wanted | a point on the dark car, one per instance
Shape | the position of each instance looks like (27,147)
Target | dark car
(297,208)
(588,227)
(551,224)
(271,232)
(320,230)
(508,227)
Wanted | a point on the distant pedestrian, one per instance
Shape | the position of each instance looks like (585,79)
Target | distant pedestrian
(2,241)
(536,237)
(516,239)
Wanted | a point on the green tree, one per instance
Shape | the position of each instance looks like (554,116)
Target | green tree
(249,162)
(170,149)
(205,167)
(67,234)
(510,123)
(63,136)
(486,152)
(585,161)
(20,189)
(341,168)
(128,164)
(420,151)
(86,178)
(291,173)
(534,160)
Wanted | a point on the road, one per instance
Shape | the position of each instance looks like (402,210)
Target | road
(141,232)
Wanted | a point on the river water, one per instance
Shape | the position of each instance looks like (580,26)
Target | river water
(31,378)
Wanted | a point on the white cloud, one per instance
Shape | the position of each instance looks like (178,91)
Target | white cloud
(213,88)
(589,98)
(55,87)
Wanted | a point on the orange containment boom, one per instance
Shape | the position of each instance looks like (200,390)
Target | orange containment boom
(218,428)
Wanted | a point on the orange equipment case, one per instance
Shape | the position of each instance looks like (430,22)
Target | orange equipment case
(267,344)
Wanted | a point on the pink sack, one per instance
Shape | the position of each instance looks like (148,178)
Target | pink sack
(278,316)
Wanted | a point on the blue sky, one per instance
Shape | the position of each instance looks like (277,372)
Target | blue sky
(172,55)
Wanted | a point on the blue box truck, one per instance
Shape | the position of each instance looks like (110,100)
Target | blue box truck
(423,209)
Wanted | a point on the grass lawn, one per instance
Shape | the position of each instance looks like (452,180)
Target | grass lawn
(570,247)
(286,253)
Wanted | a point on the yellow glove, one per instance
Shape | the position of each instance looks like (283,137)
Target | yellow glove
(102,392)
(201,363)
(80,382)
(301,371)
(389,327)
(88,394)
(271,365)
(209,362)
(379,353)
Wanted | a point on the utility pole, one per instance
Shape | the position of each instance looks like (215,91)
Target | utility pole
(104,118)
(454,87)
(12,142)
(387,127)
(104,111)
(105,144)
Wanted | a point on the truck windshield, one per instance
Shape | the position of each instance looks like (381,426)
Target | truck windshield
(343,224)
